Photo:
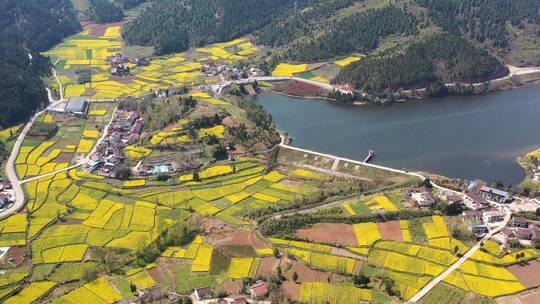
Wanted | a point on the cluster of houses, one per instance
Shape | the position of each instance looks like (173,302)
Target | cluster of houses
(521,229)
(119,65)
(256,291)
(478,196)
(212,69)
(6,194)
(125,129)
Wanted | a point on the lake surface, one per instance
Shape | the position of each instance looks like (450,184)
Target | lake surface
(462,137)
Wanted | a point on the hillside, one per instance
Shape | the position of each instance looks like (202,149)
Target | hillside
(23,36)
(174,26)
(103,11)
(317,30)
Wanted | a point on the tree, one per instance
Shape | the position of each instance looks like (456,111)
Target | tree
(295,276)
(437,90)
(124,174)
(219,152)
(196,176)
(361,280)
(89,273)
(390,287)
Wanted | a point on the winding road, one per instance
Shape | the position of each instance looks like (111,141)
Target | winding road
(11,174)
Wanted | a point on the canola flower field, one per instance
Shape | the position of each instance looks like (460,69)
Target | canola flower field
(71,214)
(86,51)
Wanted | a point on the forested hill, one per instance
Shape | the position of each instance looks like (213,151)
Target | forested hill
(440,58)
(175,25)
(395,33)
(26,28)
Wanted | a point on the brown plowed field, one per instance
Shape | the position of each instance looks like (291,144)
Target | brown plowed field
(332,233)
(390,231)
(527,274)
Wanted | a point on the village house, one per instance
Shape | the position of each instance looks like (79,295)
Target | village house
(495,195)
(479,230)
(204,293)
(493,216)
(521,229)
(450,197)
(421,196)
(472,214)
(77,106)
(259,289)
(473,198)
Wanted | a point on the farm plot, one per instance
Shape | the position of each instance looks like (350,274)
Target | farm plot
(141,278)
(325,261)
(302,245)
(323,293)
(240,268)
(31,293)
(13,230)
(332,233)
(39,160)
(99,291)
(288,70)
(366,233)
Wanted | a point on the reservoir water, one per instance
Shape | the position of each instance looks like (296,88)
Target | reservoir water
(462,137)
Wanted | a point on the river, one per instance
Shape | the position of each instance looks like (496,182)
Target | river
(462,137)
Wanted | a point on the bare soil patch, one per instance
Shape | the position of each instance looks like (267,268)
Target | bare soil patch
(530,298)
(98,30)
(390,231)
(64,157)
(306,274)
(232,287)
(90,92)
(156,274)
(17,254)
(71,222)
(267,267)
(291,290)
(527,274)
(332,233)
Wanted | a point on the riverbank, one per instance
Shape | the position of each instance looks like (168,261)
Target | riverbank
(517,78)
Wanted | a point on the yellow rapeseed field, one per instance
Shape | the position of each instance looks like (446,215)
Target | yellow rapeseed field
(306,174)
(217,131)
(85,146)
(288,70)
(366,233)
(140,278)
(215,171)
(202,260)
(324,293)
(325,261)
(134,183)
(31,293)
(91,133)
(239,268)
(346,61)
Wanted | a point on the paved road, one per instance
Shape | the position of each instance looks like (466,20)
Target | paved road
(427,288)
(218,88)
(11,174)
